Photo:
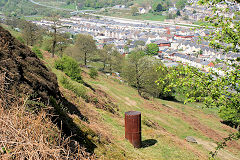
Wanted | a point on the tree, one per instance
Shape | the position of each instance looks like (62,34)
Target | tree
(54,34)
(29,33)
(159,8)
(63,41)
(109,55)
(199,52)
(70,67)
(139,43)
(85,46)
(116,61)
(181,4)
(131,71)
(140,72)
(178,13)
(161,5)
(222,92)
(134,11)
(152,49)
(103,57)
(93,73)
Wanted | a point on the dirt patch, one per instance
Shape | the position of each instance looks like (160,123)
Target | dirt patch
(205,130)
(211,147)
(103,101)
(130,102)
(26,74)
(102,87)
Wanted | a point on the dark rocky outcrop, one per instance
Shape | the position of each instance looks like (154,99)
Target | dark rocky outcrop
(26,74)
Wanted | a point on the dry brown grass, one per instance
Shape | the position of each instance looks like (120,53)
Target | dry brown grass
(26,135)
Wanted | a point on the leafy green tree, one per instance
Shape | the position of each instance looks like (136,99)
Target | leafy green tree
(93,73)
(222,92)
(116,61)
(161,5)
(134,11)
(140,72)
(38,52)
(159,8)
(181,4)
(109,55)
(70,67)
(85,46)
(29,33)
(152,49)
(132,71)
(178,13)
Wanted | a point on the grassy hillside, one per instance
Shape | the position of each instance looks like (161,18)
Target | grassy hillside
(165,124)
(18,8)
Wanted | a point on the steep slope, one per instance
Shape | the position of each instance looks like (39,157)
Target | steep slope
(26,77)
(165,124)
(26,74)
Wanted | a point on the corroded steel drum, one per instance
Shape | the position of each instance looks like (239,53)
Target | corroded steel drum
(133,128)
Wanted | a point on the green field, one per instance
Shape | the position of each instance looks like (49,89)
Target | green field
(127,14)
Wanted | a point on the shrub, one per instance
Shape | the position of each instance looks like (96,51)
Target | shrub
(38,52)
(93,73)
(25,135)
(46,44)
(70,67)
(78,89)
(20,39)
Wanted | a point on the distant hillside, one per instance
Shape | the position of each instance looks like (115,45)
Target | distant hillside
(106,3)
(18,8)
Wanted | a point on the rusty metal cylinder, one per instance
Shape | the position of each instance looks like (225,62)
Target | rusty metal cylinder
(133,128)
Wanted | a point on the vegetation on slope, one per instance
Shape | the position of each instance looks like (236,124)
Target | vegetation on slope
(26,134)
(27,78)
(165,124)
(18,8)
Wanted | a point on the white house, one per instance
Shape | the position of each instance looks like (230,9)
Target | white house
(142,10)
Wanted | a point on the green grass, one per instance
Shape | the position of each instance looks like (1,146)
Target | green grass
(148,16)
(127,14)
(35,18)
(14,33)
(201,23)
(164,149)
(176,127)
(71,6)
